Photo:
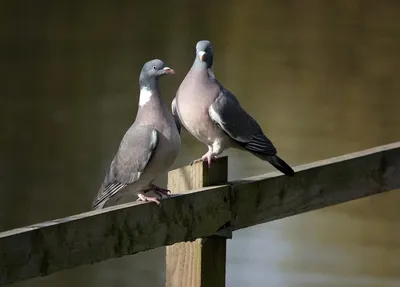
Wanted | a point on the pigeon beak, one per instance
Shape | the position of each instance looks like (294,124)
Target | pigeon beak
(202,56)
(168,71)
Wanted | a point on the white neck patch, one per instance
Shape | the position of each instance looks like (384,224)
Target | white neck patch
(145,95)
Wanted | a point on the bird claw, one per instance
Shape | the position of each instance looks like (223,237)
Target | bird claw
(196,161)
(207,157)
(147,198)
(160,191)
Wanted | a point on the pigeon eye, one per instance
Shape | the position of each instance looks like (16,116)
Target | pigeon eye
(154,67)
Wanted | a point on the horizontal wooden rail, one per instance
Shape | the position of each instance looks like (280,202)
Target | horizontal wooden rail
(112,232)
(95,236)
(324,183)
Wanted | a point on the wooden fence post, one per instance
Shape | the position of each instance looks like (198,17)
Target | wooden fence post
(200,263)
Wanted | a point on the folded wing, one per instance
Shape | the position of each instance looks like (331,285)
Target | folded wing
(134,153)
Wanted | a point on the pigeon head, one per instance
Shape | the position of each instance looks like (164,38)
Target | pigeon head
(152,70)
(204,53)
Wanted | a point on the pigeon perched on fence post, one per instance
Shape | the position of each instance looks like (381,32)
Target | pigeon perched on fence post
(148,148)
(214,116)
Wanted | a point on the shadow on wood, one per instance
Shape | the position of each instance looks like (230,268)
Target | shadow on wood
(200,263)
(95,236)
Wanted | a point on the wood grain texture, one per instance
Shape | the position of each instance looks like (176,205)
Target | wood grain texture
(112,232)
(95,236)
(200,263)
(324,183)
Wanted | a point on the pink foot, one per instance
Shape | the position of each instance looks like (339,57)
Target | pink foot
(146,198)
(196,161)
(207,157)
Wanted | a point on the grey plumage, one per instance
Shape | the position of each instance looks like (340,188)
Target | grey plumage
(175,115)
(215,117)
(148,148)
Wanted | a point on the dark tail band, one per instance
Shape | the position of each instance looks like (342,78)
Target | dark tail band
(280,164)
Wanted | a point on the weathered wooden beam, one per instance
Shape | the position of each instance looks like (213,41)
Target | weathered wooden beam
(324,183)
(94,236)
(200,263)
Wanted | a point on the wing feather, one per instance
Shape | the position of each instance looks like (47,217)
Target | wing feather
(176,116)
(134,153)
(229,115)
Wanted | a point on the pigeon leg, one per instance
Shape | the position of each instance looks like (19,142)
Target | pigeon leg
(209,157)
(204,157)
(160,191)
(157,190)
(196,161)
(146,198)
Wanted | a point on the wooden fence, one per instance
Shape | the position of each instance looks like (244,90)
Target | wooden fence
(194,225)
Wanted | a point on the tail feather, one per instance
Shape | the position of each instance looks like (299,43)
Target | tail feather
(280,164)
(98,205)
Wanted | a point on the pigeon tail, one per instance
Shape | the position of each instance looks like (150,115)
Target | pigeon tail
(279,164)
(98,205)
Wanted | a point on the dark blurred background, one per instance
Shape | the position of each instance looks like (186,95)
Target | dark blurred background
(321,77)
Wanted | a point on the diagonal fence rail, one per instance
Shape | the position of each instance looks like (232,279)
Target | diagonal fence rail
(94,236)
